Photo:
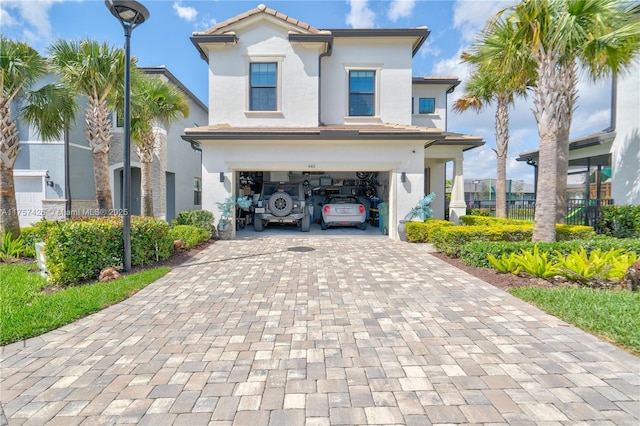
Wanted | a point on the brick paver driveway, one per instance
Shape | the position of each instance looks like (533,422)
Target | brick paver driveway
(302,329)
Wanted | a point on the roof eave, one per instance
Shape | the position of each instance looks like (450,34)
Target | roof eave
(586,141)
(199,39)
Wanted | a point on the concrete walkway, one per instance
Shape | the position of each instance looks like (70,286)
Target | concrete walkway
(295,329)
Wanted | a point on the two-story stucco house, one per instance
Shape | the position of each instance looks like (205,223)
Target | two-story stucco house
(288,101)
(39,172)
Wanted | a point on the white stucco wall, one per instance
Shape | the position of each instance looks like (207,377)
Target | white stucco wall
(297,78)
(625,153)
(307,155)
(392,61)
(437,119)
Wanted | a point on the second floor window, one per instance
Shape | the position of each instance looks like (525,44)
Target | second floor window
(362,93)
(263,83)
(426,106)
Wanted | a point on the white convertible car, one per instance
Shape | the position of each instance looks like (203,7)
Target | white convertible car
(343,210)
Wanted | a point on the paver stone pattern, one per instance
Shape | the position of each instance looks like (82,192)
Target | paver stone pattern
(318,330)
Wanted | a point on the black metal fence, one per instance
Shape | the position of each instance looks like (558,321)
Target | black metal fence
(579,211)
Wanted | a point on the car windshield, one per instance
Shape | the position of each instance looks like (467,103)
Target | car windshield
(343,200)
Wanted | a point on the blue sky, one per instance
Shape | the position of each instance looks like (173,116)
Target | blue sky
(164,40)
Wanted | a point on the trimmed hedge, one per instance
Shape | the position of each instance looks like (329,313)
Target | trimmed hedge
(475,253)
(491,221)
(33,234)
(199,218)
(451,239)
(419,232)
(77,250)
(620,221)
(150,240)
(190,235)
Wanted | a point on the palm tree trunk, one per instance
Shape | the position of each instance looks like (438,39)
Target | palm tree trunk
(547,104)
(101,178)
(9,219)
(146,188)
(145,151)
(567,76)
(502,145)
(99,137)
(9,148)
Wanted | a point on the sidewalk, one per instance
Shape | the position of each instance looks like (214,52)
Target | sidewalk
(295,329)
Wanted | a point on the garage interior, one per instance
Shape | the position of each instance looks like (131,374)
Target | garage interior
(371,188)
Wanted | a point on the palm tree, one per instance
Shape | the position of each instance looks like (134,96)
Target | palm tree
(500,72)
(603,35)
(94,70)
(153,100)
(50,108)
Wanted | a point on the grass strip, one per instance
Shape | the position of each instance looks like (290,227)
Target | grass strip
(611,315)
(26,311)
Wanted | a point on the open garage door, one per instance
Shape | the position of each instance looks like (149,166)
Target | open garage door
(371,188)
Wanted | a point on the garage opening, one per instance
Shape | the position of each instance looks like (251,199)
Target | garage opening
(334,202)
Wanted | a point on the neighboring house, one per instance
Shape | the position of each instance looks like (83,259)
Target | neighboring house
(609,159)
(482,192)
(39,171)
(288,101)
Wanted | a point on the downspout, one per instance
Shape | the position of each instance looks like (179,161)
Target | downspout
(614,103)
(322,55)
(446,103)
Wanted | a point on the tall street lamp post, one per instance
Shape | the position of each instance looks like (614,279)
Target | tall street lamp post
(130,13)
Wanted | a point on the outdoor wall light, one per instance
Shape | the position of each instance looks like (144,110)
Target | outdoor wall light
(47,179)
(130,13)
(221,177)
(403,177)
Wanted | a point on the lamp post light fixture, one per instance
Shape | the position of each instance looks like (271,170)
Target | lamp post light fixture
(130,13)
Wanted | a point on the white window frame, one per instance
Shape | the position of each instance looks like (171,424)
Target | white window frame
(257,58)
(377,69)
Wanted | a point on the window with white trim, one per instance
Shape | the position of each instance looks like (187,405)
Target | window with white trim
(426,106)
(362,93)
(263,85)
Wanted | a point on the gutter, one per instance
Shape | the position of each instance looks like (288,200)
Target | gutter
(322,55)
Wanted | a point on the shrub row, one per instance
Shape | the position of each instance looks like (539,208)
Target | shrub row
(190,235)
(450,240)
(620,221)
(475,253)
(420,231)
(78,249)
(202,219)
(490,221)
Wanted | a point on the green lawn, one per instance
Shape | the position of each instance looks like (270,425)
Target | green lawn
(609,314)
(26,312)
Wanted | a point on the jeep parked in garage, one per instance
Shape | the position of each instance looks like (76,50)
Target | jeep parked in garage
(282,203)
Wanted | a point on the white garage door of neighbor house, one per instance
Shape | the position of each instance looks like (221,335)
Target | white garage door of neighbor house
(29,196)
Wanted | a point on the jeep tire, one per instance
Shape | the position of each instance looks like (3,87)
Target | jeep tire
(280,204)
(305,223)
(258,225)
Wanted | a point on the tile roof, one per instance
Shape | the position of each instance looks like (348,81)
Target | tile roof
(365,132)
(220,27)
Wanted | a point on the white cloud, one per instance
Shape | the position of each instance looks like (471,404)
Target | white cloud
(187,13)
(470,17)
(400,9)
(32,17)
(360,16)
(6,18)
(452,66)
